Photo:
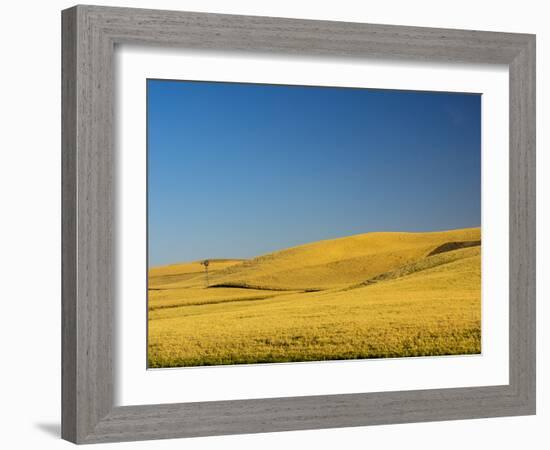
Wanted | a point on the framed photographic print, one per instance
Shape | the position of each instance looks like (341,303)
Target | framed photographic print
(267,222)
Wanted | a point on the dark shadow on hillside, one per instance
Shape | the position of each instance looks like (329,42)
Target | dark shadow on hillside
(450,246)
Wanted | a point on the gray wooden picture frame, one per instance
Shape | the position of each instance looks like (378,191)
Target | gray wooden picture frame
(89,37)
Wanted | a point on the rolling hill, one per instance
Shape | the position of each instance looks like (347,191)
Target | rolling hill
(385,294)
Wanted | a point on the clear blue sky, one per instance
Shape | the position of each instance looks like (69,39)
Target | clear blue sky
(237,170)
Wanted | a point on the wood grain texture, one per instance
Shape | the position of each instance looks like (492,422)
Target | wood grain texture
(89,36)
(523,224)
(68,226)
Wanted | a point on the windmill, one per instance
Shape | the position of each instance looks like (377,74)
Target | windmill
(206,263)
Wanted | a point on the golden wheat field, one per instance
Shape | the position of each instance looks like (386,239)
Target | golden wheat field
(372,295)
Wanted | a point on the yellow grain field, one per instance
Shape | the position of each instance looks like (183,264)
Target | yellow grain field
(372,295)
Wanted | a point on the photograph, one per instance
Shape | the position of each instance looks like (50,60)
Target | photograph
(275,225)
(290,223)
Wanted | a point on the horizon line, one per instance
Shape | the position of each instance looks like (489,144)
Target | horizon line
(304,244)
